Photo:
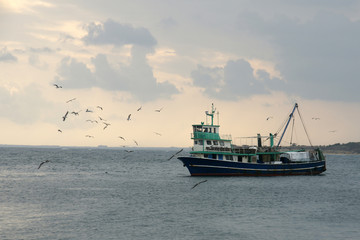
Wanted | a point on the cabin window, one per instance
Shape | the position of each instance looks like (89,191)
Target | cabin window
(209,130)
(216,143)
(208,142)
(205,129)
(195,142)
(214,130)
(201,142)
(197,129)
(222,143)
(221,157)
(228,157)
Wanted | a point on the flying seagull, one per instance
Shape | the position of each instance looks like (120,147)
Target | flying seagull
(92,121)
(129,151)
(101,119)
(57,86)
(106,125)
(139,108)
(198,183)
(43,163)
(129,117)
(175,154)
(70,100)
(99,108)
(316,118)
(158,110)
(89,136)
(157,133)
(88,110)
(75,113)
(59,130)
(121,138)
(136,143)
(65,116)
(268,118)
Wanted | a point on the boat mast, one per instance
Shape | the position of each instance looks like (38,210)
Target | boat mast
(290,116)
(211,114)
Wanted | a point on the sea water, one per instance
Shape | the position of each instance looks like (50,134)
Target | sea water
(90,193)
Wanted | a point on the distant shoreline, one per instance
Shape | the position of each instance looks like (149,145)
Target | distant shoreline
(341,153)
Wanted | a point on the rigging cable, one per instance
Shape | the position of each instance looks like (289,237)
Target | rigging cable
(304,127)
(282,125)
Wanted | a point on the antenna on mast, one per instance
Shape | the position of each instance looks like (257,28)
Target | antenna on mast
(211,114)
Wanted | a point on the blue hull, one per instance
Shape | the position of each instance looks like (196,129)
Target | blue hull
(211,167)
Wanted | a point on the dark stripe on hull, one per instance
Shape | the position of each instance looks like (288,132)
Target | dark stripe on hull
(210,167)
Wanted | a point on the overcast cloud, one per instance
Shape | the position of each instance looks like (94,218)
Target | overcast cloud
(111,32)
(137,77)
(235,81)
(160,52)
(6,56)
(318,58)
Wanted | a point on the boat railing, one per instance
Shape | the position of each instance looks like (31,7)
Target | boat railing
(210,136)
(226,137)
(218,149)
(243,150)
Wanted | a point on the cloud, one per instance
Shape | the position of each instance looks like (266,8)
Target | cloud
(168,23)
(24,106)
(233,81)
(137,78)
(41,50)
(318,58)
(111,32)
(6,56)
(74,74)
(34,60)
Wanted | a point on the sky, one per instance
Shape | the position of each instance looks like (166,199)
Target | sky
(167,62)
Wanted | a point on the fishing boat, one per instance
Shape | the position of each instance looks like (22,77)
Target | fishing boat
(215,155)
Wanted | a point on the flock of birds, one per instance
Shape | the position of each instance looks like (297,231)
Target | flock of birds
(99,120)
(106,125)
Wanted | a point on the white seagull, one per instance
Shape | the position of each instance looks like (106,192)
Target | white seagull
(70,100)
(43,163)
(65,116)
(198,183)
(106,125)
(75,113)
(175,154)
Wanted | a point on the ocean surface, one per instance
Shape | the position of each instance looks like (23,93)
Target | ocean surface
(113,194)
